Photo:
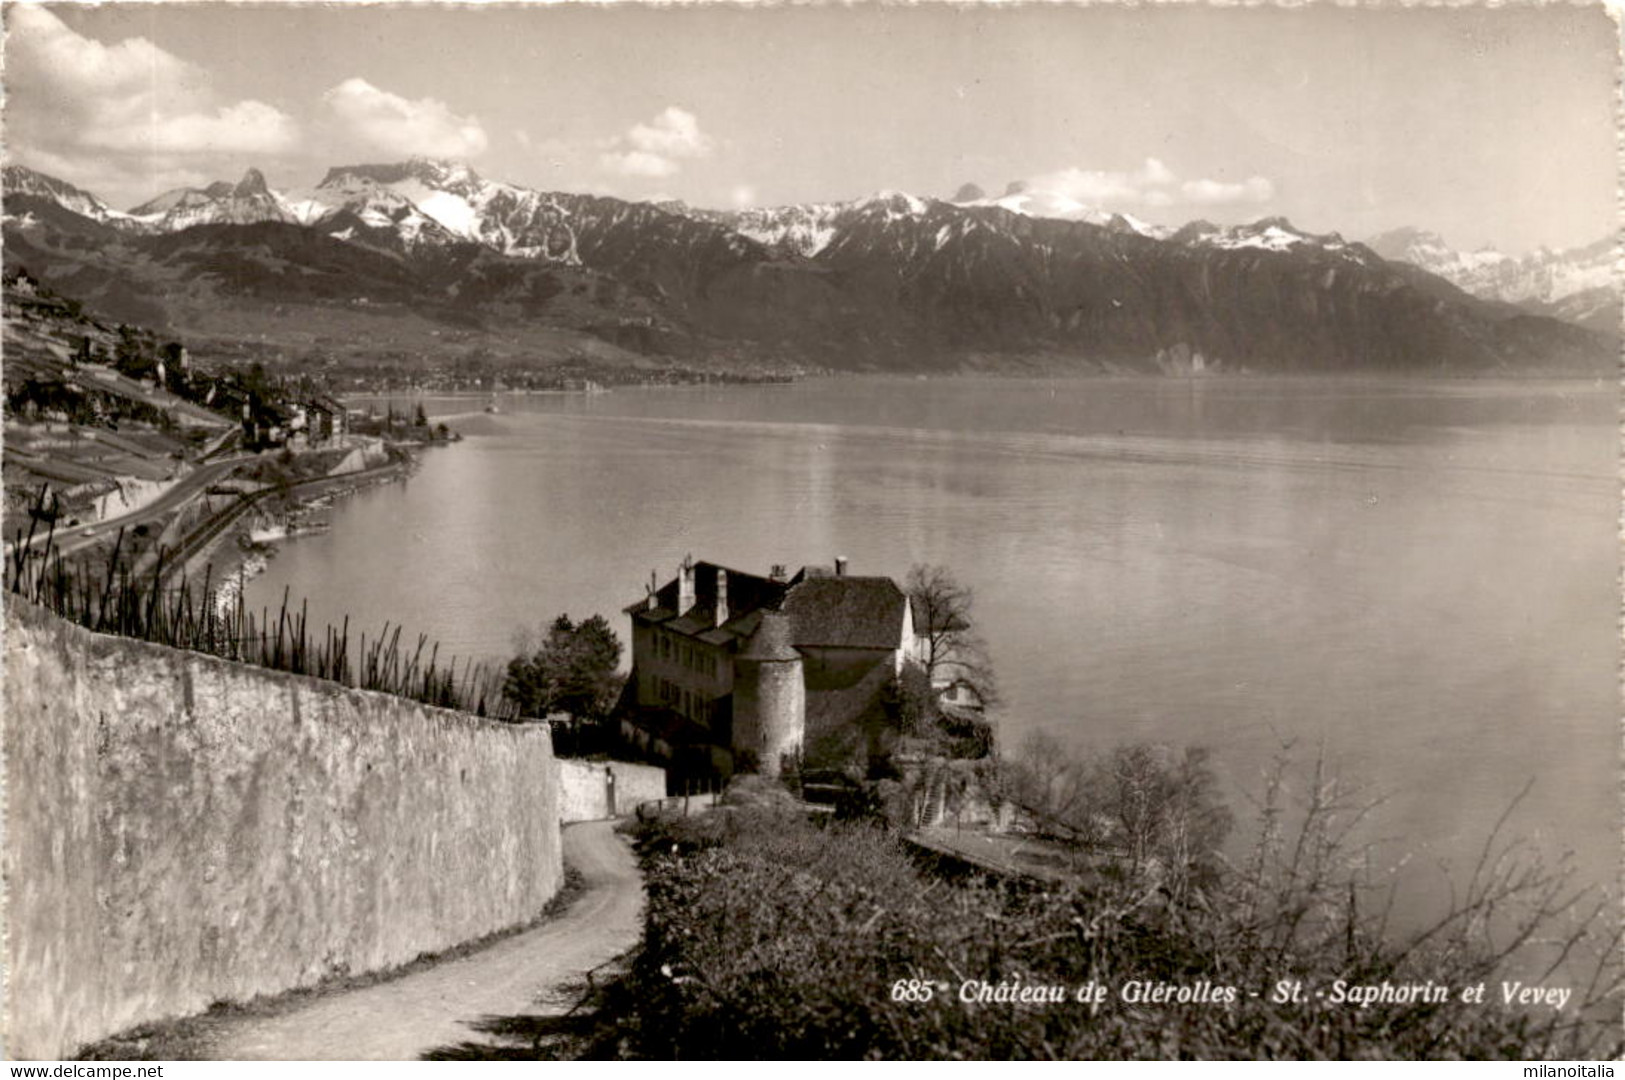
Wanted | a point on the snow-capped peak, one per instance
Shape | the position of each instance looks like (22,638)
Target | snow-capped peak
(896,204)
(1275,234)
(803,228)
(806,229)
(252,183)
(1268,234)
(1022,198)
(21,180)
(246,202)
(512,220)
(442,172)
(1543,276)
(1126,222)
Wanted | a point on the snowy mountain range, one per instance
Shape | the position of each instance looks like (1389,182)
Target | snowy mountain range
(1022,198)
(888,280)
(1580,285)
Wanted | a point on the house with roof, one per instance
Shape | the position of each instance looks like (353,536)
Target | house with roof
(327,420)
(959,693)
(737,672)
(21,284)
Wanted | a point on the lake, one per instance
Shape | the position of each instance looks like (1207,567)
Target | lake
(1417,578)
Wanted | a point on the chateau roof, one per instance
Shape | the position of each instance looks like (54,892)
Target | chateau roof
(747,595)
(846,612)
(825,609)
(772,640)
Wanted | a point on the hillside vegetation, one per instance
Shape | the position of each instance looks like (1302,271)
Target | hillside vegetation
(770,937)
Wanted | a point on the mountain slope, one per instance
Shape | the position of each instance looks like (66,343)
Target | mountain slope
(957,281)
(25,187)
(1577,284)
(433,203)
(891,281)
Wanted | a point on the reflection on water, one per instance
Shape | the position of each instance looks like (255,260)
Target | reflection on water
(1418,577)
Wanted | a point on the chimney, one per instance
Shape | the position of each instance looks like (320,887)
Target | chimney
(840,566)
(654,588)
(685,586)
(722,596)
(778,573)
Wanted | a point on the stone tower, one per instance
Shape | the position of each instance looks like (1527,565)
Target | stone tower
(770,696)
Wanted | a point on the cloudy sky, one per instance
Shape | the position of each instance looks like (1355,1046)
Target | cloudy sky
(1489,126)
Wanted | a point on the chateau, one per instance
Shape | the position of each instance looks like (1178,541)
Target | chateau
(733,672)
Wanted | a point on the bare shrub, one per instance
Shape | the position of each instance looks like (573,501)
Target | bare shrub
(769,937)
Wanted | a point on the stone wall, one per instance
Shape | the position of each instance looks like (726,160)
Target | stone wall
(182,830)
(368,455)
(584,788)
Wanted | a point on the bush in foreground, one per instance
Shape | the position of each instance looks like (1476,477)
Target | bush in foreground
(769,937)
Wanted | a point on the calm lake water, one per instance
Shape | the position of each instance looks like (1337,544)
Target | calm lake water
(1419,577)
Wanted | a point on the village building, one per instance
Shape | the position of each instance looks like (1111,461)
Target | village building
(21,283)
(958,692)
(328,420)
(734,672)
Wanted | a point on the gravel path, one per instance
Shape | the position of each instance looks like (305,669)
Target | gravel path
(521,975)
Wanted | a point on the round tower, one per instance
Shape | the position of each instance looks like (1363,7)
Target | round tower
(770,696)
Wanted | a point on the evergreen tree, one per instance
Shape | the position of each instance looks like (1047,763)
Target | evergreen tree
(572,670)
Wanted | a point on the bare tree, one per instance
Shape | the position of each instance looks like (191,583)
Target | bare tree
(947,640)
(1046,778)
(1151,806)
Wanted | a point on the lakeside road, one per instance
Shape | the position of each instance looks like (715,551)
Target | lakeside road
(437,1008)
(195,555)
(70,540)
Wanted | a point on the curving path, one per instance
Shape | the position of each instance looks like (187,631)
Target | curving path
(70,539)
(401,1019)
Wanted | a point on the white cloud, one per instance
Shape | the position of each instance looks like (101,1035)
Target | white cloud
(128,111)
(675,133)
(107,178)
(401,127)
(248,127)
(1075,192)
(1155,172)
(639,163)
(43,46)
(1095,187)
(1255,189)
(658,148)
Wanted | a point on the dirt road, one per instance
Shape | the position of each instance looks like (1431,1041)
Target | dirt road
(402,1019)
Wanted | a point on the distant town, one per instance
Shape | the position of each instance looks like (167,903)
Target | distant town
(106,421)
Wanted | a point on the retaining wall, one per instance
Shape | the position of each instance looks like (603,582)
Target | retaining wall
(182,830)
(584,788)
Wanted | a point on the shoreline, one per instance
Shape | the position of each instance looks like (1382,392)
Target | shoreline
(233,558)
(1036,375)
